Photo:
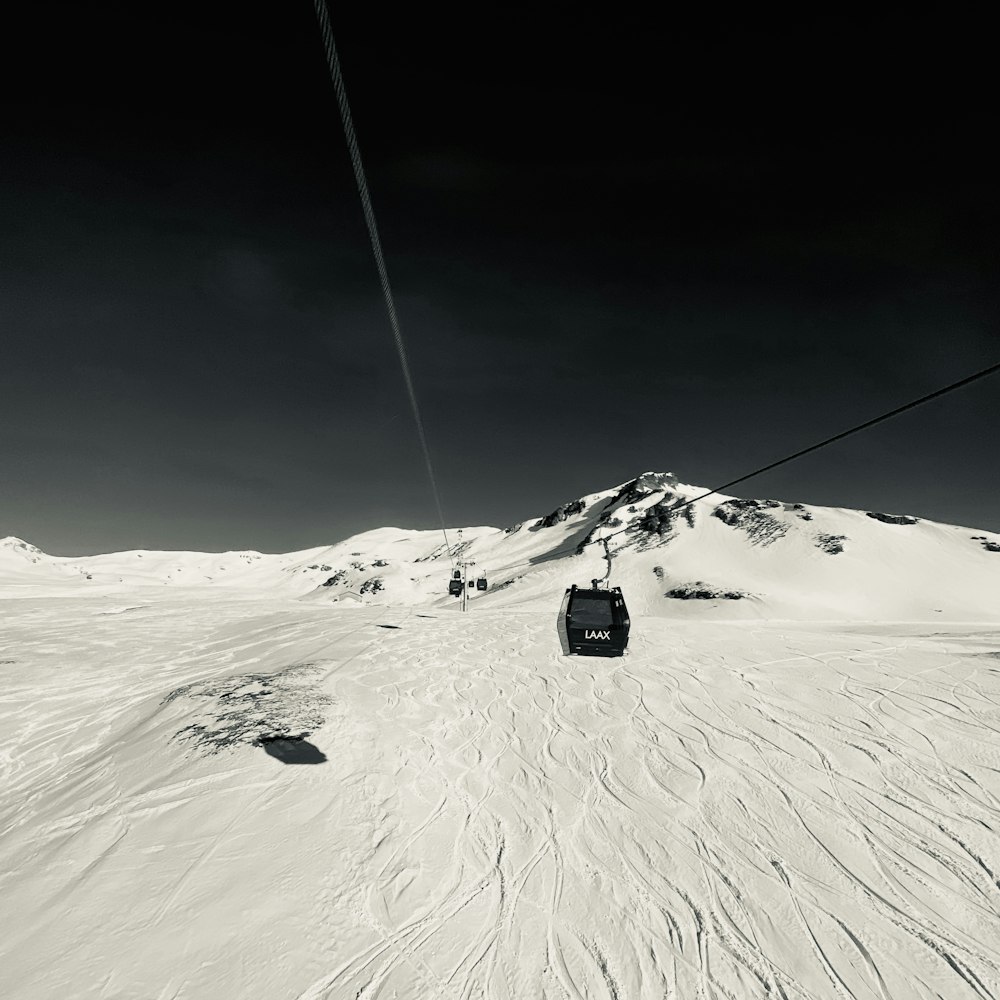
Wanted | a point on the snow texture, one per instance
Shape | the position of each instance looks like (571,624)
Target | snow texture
(736,809)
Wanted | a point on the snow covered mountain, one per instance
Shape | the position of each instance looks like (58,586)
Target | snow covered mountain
(721,557)
(735,809)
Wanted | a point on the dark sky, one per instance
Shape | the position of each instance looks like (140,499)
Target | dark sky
(615,246)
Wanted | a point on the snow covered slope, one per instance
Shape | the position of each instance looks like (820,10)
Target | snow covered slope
(733,811)
(720,557)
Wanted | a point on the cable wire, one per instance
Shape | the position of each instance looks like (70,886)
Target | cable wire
(822,444)
(359,175)
(603,539)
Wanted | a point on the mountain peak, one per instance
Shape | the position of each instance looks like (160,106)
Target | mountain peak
(13,542)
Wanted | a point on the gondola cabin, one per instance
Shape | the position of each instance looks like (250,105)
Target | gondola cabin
(596,621)
(455,587)
(481,583)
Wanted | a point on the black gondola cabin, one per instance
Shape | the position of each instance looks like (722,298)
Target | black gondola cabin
(596,621)
(455,587)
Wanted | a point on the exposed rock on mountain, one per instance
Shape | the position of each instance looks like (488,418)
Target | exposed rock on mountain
(561,513)
(751,516)
(699,591)
(891,518)
(833,544)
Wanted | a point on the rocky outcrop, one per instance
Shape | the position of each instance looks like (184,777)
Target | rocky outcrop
(644,486)
(891,518)
(699,591)
(251,708)
(661,518)
(831,544)
(986,543)
(561,513)
(751,516)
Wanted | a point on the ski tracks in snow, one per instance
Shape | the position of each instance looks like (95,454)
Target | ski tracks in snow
(724,813)
(731,811)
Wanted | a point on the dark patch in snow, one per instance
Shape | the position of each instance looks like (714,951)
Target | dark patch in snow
(890,518)
(699,591)
(833,544)
(658,573)
(749,516)
(505,584)
(339,577)
(372,586)
(395,626)
(380,563)
(986,543)
(252,708)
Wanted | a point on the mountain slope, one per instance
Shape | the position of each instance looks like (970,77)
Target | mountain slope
(717,557)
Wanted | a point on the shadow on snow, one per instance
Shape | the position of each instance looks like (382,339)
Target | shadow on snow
(291,750)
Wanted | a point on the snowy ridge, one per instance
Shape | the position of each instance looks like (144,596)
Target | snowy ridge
(718,557)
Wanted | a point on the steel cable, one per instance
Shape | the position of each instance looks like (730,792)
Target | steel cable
(333,63)
(788,458)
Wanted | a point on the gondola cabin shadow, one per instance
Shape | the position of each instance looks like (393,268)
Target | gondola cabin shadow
(593,622)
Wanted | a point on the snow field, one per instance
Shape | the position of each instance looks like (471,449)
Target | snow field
(733,810)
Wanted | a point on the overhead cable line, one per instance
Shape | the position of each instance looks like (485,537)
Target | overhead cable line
(836,437)
(603,539)
(359,175)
